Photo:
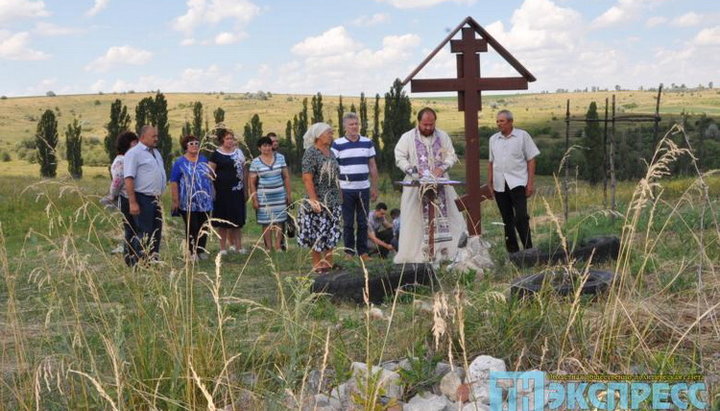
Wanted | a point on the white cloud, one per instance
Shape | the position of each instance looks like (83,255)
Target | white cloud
(655,21)
(212,12)
(15,47)
(624,10)
(687,20)
(411,4)
(11,10)
(367,21)
(188,42)
(43,28)
(119,55)
(211,78)
(97,7)
(334,41)
(342,67)
(708,37)
(228,38)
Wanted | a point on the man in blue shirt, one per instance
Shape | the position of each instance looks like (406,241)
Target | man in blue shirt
(145,182)
(358,181)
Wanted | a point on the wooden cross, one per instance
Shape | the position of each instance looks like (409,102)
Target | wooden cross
(469,86)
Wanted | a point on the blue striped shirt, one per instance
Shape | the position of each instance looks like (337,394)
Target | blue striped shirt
(353,158)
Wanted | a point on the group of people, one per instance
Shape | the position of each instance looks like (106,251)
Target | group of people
(340,178)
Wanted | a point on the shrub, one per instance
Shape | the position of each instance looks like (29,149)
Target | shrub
(5,156)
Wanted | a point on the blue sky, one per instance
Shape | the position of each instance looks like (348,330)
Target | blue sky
(345,47)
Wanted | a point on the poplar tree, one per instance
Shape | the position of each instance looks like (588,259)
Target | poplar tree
(119,122)
(341,113)
(253,132)
(197,123)
(317,106)
(219,116)
(363,115)
(144,113)
(594,152)
(160,121)
(398,111)
(46,139)
(376,128)
(73,149)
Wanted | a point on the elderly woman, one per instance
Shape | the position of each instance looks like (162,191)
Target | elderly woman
(269,188)
(228,163)
(319,217)
(192,194)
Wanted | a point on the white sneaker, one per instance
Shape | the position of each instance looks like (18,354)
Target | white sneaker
(242,251)
(232,249)
(117,250)
(204,256)
(222,252)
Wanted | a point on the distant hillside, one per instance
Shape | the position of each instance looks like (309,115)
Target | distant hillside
(543,113)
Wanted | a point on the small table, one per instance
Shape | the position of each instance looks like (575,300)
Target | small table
(429,191)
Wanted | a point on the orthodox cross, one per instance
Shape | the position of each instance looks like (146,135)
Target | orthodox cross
(469,85)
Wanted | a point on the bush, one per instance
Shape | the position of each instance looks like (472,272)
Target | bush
(5,156)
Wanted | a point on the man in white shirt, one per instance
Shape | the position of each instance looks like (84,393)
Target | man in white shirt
(145,182)
(512,173)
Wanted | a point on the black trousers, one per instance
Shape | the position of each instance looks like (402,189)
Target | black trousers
(385,236)
(144,230)
(513,209)
(194,221)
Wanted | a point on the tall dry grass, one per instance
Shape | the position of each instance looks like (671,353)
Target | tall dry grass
(82,331)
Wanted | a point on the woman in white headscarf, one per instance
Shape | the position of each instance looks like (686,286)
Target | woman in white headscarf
(319,217)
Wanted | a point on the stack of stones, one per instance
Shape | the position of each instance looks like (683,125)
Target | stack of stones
(457,389)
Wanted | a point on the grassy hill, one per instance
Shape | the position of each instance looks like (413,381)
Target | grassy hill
(19,116)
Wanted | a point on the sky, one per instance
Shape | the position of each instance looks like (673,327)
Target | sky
(346,46)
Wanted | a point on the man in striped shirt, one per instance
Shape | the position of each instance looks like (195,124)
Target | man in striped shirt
(358,182)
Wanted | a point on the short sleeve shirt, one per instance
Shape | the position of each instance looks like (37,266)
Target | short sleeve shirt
(354,158)
(509,156)
(145,166)
(325,171)
(194,184)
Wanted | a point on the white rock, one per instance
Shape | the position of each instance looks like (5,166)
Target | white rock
(429,403)
(389,380)
(474,256)
(478,376)
(449,385)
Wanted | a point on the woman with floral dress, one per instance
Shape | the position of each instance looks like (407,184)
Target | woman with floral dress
(319,216)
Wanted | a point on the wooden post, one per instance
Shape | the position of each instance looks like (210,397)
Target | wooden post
(566,179)
(612,160)
(605,156)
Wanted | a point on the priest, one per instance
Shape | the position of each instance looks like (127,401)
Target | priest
(427,153)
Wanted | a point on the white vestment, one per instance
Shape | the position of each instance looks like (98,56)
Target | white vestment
(413,226)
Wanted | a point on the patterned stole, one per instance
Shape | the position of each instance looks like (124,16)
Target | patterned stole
(426,162)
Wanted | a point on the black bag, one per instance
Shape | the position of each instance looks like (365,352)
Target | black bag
(290,228)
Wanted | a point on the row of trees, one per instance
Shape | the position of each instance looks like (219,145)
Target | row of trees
(634,148)
(46,141)
(153,111)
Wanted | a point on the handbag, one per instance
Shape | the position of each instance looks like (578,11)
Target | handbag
(290,227)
